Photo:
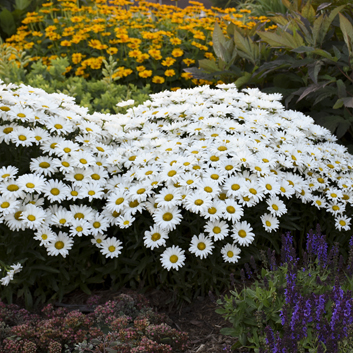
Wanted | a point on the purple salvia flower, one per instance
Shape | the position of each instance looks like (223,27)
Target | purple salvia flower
(322,251)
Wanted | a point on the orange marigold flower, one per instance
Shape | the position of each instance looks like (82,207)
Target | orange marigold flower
(158,79)
(145,73)
(169,73)
(177,52)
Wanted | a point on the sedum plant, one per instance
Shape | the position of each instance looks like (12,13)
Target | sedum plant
(294,306)
(187,177)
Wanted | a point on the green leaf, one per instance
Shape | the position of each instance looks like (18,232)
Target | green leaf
(7,22)
(347,30)
(45,268)
(219,41)
(22,4)
(208,65)
(341,89)
(85,289)
(308,12)
(243,80)
(229,331)
(282,40)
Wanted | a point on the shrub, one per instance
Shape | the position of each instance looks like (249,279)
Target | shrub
(307,58)
(126,324)
(296,305)
(190,177)
(149,43)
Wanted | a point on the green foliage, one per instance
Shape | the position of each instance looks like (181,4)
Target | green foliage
(98,96)
(308,59)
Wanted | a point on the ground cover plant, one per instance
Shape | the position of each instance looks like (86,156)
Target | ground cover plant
(299,304)
(123,325)
(177,186)
(307,58)
(150,43)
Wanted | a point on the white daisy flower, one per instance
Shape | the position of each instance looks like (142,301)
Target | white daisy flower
(173,258)
(5,132)
(215,211)
(11,188)
(342,222)
(117,201)
(49,146)
(8,205)
(31,183)
(82,212)
(208,186)
(45,235)
(55,190)
(92,190)
(59,125)
(269,222)
(33,216)
(155,237)
(78,176)
(319,202)
(111,247)
(13,220)
(139,192)
(61,218)
(335,208)
(201,246)
(8,172)
(167,218)
(197,201)
(80,227)
(22,136)
(286,189)
(217,229)
(168,197)
(60,245)
(40,135)
(74,193)
(98,239)
(242,233)
(66,147)
(125,221)
(276,206)
(99,224)
(233,211)
(230,253)
(42,165)
(189,180)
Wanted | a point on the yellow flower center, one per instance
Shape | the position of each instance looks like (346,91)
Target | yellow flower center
(198,202)
(282,189)
(189,182)
(79,215)
(230,209)
(126,222)
(132,158)
(65,164)
(216,230)
(58,126)
(12,187)
(17,215)
(212,210)
(222,148)
(67,150)
(235,187)
(62,221)
(79,176)
(155,236)
(111,248)
(268,186)
(253,191)
(268,223)
(320,180)
(168,197)
(83,161)
(55,191)
(119,201)
(59,244)
(21,115)
(167,216)
(173,259)
(228,167)
(230,253)
(100,149)
(53,145)
(275,207)
(201,246)
(214,158)
(208,189)
(79,229)
(5,204)
(258,169)
(133,204)
(5,176)
(96,225)
(141,191)
(74,193)
(44,236)
(342,222)
(91,192)
(31,218)
(335,208)
(242,233)
(22,137)
(171,173)
(44,165)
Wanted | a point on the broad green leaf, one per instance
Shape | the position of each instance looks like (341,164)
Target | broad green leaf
(219,40)
(22,4)
(283,39)
(341,89)
(342,128)
(308,12)
(348,102)
(243,80)
(7,22)
(347,30)
(208,65)
(314,70)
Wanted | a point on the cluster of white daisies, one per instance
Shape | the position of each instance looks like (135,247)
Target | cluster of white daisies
(213,152)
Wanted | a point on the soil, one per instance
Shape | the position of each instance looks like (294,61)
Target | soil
(198,319)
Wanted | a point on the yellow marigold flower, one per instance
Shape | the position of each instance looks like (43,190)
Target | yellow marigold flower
(141,58)
(174,88)
(53,57)
(186,75)
(80,71)
(48,4)
(145,73)
(112,51)
(28,45)
(76,58)
(245,11)
(177,52)
(127,72)
(140,68)
(168,61)
(68,69)
(188,61)
(210,56)
(175,41)
(134,53)
(169,73)
(158,79)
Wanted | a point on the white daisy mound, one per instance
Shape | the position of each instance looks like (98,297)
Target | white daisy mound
(213,152)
